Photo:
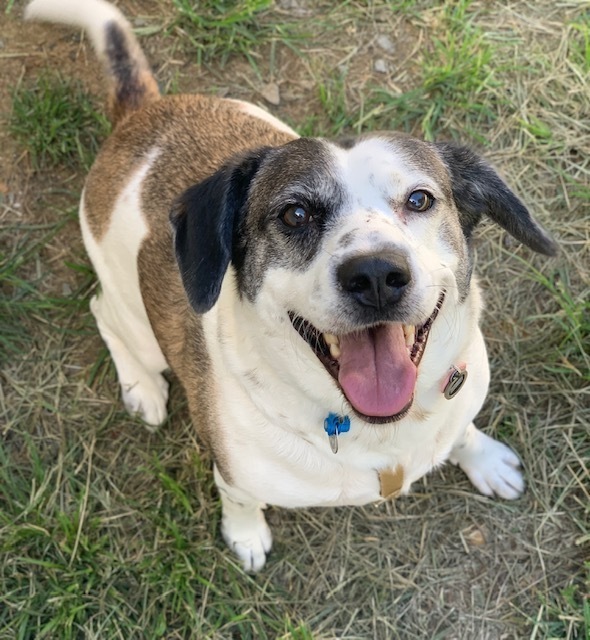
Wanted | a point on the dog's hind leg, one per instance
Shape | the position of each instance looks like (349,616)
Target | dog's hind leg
(138,361)
(492,467)
(119,309)
(243,525)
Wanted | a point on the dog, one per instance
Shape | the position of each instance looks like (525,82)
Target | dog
(315,299)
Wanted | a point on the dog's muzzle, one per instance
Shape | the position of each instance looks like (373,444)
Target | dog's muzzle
(376,367)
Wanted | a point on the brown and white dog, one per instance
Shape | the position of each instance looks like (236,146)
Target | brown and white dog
(314,298)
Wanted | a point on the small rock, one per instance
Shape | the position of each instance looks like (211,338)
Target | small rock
(380,66)
(386,43)
(270,92)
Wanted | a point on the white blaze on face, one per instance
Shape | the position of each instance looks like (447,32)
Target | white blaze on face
(378,179)
(377,367)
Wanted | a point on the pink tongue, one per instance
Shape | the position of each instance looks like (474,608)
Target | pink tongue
(376,373)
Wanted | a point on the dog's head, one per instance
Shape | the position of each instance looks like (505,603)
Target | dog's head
(358,244)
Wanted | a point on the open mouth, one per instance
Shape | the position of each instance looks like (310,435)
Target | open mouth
(376,368)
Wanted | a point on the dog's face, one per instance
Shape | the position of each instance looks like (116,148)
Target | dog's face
(359,245)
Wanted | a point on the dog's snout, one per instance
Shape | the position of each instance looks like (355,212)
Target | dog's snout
(376,280)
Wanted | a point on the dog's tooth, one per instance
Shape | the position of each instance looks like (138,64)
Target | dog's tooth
(335,351)
(409,335)
(331,339)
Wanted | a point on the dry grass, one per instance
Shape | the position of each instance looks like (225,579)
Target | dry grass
(108,532)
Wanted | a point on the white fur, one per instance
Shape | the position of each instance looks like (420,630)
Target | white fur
(119,310)
(257,112)
(272,430)
(492,467)
(90,15)
(278,451)
(243,525)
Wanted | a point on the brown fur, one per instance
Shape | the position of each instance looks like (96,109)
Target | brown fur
(124,100)
(191,132)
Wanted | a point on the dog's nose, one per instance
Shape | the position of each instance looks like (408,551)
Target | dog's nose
(376,280)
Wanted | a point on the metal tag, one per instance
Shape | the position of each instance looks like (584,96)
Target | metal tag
(333,443)
(335,424)
(456,381)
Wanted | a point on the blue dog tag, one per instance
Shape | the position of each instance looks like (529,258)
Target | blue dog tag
(333,426)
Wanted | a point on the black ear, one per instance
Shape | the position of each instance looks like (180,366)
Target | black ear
(479,190)
(205,219)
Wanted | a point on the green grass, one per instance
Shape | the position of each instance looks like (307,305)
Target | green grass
(56,122)
(107,531)
(571,351)
(566,617)
(335,116)
(452,80)
(22,292)
(216,30)
(579,44)
(451,86)
(72,573)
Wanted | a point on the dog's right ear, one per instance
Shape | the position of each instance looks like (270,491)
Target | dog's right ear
(205,219)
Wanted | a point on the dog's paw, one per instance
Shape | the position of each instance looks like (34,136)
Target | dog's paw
(492,467)
(249,538)
(147,398)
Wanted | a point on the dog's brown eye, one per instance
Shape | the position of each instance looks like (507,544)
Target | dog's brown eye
(296,217)
(420,201)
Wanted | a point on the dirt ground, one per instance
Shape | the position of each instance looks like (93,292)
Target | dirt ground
(443,563)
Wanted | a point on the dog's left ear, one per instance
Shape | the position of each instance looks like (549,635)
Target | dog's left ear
(205,219)
(479,190)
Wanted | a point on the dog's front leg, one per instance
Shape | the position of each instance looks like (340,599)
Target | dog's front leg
(492,467)
(243,525)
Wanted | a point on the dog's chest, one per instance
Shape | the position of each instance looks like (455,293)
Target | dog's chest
(272,397)
(287,460)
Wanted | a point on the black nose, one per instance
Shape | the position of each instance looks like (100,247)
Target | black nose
(376,280)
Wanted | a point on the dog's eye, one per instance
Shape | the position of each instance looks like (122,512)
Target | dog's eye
(296,217)
(419,201)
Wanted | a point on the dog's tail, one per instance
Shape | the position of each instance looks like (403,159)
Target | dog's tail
(131,82)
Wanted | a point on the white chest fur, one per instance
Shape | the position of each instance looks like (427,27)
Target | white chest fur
(273,397)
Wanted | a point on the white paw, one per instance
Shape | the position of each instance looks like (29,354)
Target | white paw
(147,399)
(492,467)
(250,539)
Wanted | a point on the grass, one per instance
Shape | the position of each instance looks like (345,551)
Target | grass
(573,319)
(452,79)
(22,293)
(215,30)
(107,531)
(449,93)
(56,122)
